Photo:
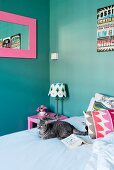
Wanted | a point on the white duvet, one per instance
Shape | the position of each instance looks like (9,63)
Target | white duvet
(102,157)
(26,151)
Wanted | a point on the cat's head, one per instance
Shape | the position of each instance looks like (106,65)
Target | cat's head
(41,124)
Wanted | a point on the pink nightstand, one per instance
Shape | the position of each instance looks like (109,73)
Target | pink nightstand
(33,119)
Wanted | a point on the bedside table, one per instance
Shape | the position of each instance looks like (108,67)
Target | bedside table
(33,119)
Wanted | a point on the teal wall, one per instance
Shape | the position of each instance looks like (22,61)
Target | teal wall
(80,66)
(24,83)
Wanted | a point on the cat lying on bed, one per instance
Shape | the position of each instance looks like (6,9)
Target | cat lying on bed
(59,129)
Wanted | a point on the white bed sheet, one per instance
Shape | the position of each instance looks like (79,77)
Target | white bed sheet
(102,157)
(26,151)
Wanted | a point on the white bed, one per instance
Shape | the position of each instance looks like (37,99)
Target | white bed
(26,151)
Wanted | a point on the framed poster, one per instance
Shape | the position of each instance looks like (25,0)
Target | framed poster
(105,29)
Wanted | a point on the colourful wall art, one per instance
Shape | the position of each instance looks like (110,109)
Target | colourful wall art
(105,29)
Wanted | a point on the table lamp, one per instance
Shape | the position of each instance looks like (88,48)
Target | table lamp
(57,90)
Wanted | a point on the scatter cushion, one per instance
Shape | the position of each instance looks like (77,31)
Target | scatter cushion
(96,105)
(105,101)
(100,102)
(99,106)
(100,122)
(90,124)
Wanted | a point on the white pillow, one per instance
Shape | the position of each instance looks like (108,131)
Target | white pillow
(78,122)
(91,103)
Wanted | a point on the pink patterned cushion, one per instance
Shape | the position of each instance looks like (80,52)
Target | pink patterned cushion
(100,122)
(103,122)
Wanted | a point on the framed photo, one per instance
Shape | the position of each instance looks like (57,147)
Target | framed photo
(16,41)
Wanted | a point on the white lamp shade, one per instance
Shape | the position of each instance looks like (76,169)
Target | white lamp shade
(57,90)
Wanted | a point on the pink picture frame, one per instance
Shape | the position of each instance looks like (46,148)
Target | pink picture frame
(22,20)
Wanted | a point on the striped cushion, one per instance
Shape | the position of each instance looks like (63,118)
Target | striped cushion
(100,122)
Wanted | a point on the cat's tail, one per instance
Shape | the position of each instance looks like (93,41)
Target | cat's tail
(78,132)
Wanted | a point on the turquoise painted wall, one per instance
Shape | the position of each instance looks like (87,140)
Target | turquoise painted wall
(80,66)
(24,83)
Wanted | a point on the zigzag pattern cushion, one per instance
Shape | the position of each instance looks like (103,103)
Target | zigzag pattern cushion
(100,122)
(90,124)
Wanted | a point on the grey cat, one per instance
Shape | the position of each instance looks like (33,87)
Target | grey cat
(59,129)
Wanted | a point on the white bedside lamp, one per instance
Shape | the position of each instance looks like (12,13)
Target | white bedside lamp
(57,90)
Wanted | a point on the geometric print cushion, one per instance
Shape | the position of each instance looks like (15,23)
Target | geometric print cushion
(90,124)
(100,122)
(103,122)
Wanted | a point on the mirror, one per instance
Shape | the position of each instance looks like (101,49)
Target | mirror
(14,36)
(17,36)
